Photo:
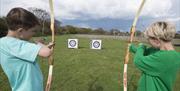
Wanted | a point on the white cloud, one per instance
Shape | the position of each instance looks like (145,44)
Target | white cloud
(7,5)
(177,19)
(94,9)
(112,9)
(158,8)
(83,25)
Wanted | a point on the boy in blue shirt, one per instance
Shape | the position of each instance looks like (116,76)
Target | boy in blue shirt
(18,56)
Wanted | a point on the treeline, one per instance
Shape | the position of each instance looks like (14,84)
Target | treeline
(44,29)
(3,27)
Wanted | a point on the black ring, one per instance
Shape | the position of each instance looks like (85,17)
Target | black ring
(72,43)
(96,44)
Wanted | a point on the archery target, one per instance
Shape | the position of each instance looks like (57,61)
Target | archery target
(72,43)
(96,44)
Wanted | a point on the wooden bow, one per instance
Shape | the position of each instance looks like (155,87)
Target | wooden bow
(51,58)
(133,29)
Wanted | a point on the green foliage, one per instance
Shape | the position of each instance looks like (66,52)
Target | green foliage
(3,27)
(177,36)
(99,31)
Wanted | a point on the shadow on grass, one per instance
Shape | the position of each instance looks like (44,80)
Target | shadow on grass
(95,87)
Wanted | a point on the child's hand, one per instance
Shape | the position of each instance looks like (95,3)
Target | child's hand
(132,48)
(50,45)
(141,45)
(46,50)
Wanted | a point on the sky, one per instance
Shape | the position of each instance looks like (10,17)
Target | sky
(105,14)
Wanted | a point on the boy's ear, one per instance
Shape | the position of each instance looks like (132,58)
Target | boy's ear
(157,41)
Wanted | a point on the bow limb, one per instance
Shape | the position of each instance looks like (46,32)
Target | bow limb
(133,29)
(51,58)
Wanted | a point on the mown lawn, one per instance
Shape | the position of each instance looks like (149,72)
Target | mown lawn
(85,69)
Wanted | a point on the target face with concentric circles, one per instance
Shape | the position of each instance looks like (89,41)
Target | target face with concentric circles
(96,44)
(72,43)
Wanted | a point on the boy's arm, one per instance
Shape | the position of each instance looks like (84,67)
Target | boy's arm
(147,51)
(24,50)
(46,50)
(148,64)
(28,51)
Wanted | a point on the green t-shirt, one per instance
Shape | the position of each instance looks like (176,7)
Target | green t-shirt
(159,68)
(18,61)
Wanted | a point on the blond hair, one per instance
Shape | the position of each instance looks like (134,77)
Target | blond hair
(161,30)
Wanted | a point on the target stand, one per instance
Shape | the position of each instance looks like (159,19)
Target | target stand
(96,44)
(73,43)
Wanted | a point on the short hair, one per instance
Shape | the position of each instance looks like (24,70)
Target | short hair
(21,18)
(162,30)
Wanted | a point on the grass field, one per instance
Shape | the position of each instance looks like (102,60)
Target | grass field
(85,69)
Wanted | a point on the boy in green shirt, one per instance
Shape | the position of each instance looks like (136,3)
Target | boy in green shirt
(160,63)
(18,56)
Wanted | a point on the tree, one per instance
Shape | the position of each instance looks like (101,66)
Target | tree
(177,35)
(68,29)
(99,31)
(138,33)
(3,27)
(114,31)
(84,30)
(42,15)
(44,19)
